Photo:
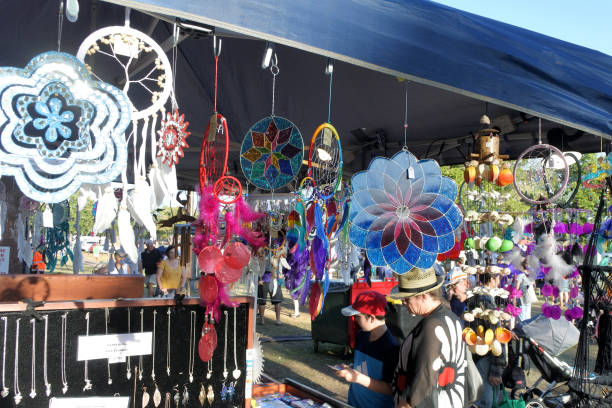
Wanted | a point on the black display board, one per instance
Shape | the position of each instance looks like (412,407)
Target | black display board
(98,369)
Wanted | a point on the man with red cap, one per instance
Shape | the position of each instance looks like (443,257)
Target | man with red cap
(375,355)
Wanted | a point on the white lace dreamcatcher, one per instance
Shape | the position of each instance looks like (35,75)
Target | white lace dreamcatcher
(127,46)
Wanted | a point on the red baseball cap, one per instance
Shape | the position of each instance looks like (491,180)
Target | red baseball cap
(370,302)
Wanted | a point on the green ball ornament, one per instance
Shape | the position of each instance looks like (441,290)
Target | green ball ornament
(469,243)
(494,243)
(506,245)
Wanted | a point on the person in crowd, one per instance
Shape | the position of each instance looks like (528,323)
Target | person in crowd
(564,288)
(171,276)
(375,356)
(490,367)
(431,368)
(119,266)
(265,285)
(149,260)
(456,286)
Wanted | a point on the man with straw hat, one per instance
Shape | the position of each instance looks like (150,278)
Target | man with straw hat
(432,362)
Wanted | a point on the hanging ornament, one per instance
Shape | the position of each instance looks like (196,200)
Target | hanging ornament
(120,46)
(215,144)
(272,149)
(271,153)
(52,141)
(403,222)
(172,137)
(540,173)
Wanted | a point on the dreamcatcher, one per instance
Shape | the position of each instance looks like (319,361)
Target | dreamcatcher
(124,45)
(272,149)
(541,173)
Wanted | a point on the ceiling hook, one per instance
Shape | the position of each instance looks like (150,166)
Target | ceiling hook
(216,49)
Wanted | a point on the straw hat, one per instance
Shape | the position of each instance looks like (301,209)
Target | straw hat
(417,282)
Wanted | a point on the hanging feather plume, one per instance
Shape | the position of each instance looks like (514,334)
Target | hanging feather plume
(106,211)
(168,178)
(546,252)
(88,192)
(518,229)
(24,249)
(139,205)
(126,233)
(206,225)
(158,186)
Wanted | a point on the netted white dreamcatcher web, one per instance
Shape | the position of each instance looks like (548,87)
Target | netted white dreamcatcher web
(325,160)
(137,64)
(541,173)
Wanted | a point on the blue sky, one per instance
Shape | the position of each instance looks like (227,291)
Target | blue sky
(584,22)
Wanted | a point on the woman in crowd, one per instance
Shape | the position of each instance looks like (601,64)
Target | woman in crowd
(432,361)
(171,276)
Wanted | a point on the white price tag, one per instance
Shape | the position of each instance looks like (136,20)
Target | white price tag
(90,402)
(113,346)
(410,172)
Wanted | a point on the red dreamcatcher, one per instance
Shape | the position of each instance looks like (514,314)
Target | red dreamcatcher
(221,263)
(172,136)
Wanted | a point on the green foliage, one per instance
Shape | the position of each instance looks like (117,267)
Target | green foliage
(87,218)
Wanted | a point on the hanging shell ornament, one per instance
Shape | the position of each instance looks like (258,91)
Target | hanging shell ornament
(145,397)
(202,395)
(469,174)
(210,395)
(157,398)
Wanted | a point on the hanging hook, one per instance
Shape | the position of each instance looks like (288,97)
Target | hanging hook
(127,16)
(216,49)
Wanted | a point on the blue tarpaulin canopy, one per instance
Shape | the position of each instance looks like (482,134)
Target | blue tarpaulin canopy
(453,61)
(431,44)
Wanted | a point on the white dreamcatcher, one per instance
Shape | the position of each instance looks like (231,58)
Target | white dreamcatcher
(127,46)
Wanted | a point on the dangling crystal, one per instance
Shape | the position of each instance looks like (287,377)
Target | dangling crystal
(177,398)
(65,388)
(32,394)
(17,398)
(48,389)
(236,374)
(129,374)
(5,392)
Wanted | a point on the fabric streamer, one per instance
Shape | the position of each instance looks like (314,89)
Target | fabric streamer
(126,233)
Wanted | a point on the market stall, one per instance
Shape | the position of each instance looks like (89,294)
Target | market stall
(295,170)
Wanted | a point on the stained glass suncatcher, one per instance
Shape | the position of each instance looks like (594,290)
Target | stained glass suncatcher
(60,127)
(272,152)
(403,212)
